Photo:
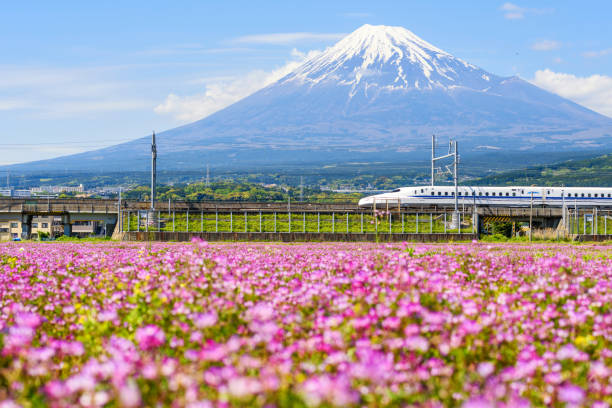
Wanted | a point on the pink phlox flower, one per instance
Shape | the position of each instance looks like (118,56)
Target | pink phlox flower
(470,327)
(212,352)
(17,339)
(80,382)
(570,352)
(485,369)
(150,337)
(200,404)
(70,348)
(391,323)
(9,404)
(199,242)
(262,311)
(417,343)
(599,369)
(28,319)
(203,320)
(56,389)
(325,388)
(571,394)
(241,387)
(129,394)
(478,402)
(265,330)
(41,354)
(373,365)
(107,315)
(361,323)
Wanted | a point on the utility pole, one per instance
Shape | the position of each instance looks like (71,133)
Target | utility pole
(456,162)
(454,153)
(119,216)
(153,170)
(530,217)
(433,158)
(563,211)
(301,188)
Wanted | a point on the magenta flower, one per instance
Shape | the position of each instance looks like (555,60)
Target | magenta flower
(28,319)
(129,394)
(203,320)
(571,394)
(150,337)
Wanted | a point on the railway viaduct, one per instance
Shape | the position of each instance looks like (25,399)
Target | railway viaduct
(106,211)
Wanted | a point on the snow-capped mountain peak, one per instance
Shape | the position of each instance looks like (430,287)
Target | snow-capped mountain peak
(390,58)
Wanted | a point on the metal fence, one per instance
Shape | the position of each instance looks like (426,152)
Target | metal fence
(591,221)
(382,222)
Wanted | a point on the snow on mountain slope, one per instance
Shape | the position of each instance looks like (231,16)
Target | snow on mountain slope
(388,57)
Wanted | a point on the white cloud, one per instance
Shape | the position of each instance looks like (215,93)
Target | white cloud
(594,92)
(546,45)
(287,38)
(514,12)
(600,53)
(222,92)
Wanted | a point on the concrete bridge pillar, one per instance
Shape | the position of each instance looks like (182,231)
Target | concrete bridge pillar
(476,223)
(67,225)
(26,226)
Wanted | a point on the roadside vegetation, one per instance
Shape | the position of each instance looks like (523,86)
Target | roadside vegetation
(240,191)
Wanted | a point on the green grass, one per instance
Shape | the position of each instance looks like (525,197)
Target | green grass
(300,222)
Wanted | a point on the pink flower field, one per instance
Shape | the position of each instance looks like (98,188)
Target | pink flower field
(271,325)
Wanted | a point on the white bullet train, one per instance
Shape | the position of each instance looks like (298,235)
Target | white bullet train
(511,196)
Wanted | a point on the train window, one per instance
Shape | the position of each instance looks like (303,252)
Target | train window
(583,194)
(460,193)
(487,193)
(439,193)
(507,194)
(433,192)
(609,195)
(452,193)
(481,193)
(446,193)
(513,194)
(595,195)
(589,194)
(421,190)
(493,193)
(397,190)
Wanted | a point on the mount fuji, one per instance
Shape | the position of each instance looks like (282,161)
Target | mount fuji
(378,94)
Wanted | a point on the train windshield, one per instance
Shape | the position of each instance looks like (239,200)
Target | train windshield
(397,190)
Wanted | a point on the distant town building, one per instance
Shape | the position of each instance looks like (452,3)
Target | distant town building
(22,193)
(57,189)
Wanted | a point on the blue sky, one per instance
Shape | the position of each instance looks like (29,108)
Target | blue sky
(80,75)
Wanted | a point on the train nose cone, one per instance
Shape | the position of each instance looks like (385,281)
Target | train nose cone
(365,201)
